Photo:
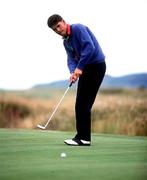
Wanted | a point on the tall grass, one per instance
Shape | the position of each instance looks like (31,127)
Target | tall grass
(115,112)
(120,115)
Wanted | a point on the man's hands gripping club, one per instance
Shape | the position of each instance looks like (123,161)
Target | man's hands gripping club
(75,75)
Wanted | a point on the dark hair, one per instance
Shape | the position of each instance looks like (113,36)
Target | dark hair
(53,20)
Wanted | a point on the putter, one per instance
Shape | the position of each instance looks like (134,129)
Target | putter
(44,127)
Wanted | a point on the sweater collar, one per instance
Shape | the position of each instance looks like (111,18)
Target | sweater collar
(68,32)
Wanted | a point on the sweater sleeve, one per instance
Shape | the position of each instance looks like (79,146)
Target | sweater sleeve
(71,63)
(87,46)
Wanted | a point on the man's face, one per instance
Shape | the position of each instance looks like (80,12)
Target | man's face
(60,28)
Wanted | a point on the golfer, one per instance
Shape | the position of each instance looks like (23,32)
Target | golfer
(86,63)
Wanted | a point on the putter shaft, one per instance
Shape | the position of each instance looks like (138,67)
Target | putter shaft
(44,127)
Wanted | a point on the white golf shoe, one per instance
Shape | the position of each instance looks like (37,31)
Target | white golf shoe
(77,142)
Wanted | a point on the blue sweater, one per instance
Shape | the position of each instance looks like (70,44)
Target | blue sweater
(82,48)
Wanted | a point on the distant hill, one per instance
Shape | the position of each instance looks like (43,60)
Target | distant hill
(127,81)
(57,84)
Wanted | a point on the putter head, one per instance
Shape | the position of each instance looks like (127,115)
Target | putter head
(41,127)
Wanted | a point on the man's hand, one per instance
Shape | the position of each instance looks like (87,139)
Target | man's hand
(74,76)
(78,72)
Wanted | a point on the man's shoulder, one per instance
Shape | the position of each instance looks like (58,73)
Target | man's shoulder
(77,26)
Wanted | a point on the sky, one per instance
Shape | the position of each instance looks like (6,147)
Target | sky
(31,53)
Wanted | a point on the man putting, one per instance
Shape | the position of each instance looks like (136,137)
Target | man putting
(86,63)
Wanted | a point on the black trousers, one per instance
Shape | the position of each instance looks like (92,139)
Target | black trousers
(88,86)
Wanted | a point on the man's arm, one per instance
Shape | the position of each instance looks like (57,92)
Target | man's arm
(87,46)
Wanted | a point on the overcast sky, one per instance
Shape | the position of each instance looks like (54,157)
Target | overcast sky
(30,53)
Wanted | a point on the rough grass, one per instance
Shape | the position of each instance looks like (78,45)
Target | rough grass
(35,155)
(114,111)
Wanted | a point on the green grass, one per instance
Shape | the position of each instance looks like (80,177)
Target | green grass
(35,155)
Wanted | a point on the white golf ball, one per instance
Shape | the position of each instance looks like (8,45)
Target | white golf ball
(63,155)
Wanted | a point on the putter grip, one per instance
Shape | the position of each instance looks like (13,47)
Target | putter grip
(70,84)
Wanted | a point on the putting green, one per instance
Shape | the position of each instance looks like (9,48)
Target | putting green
(35,155)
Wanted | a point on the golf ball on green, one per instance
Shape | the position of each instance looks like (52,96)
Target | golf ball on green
(63,155)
